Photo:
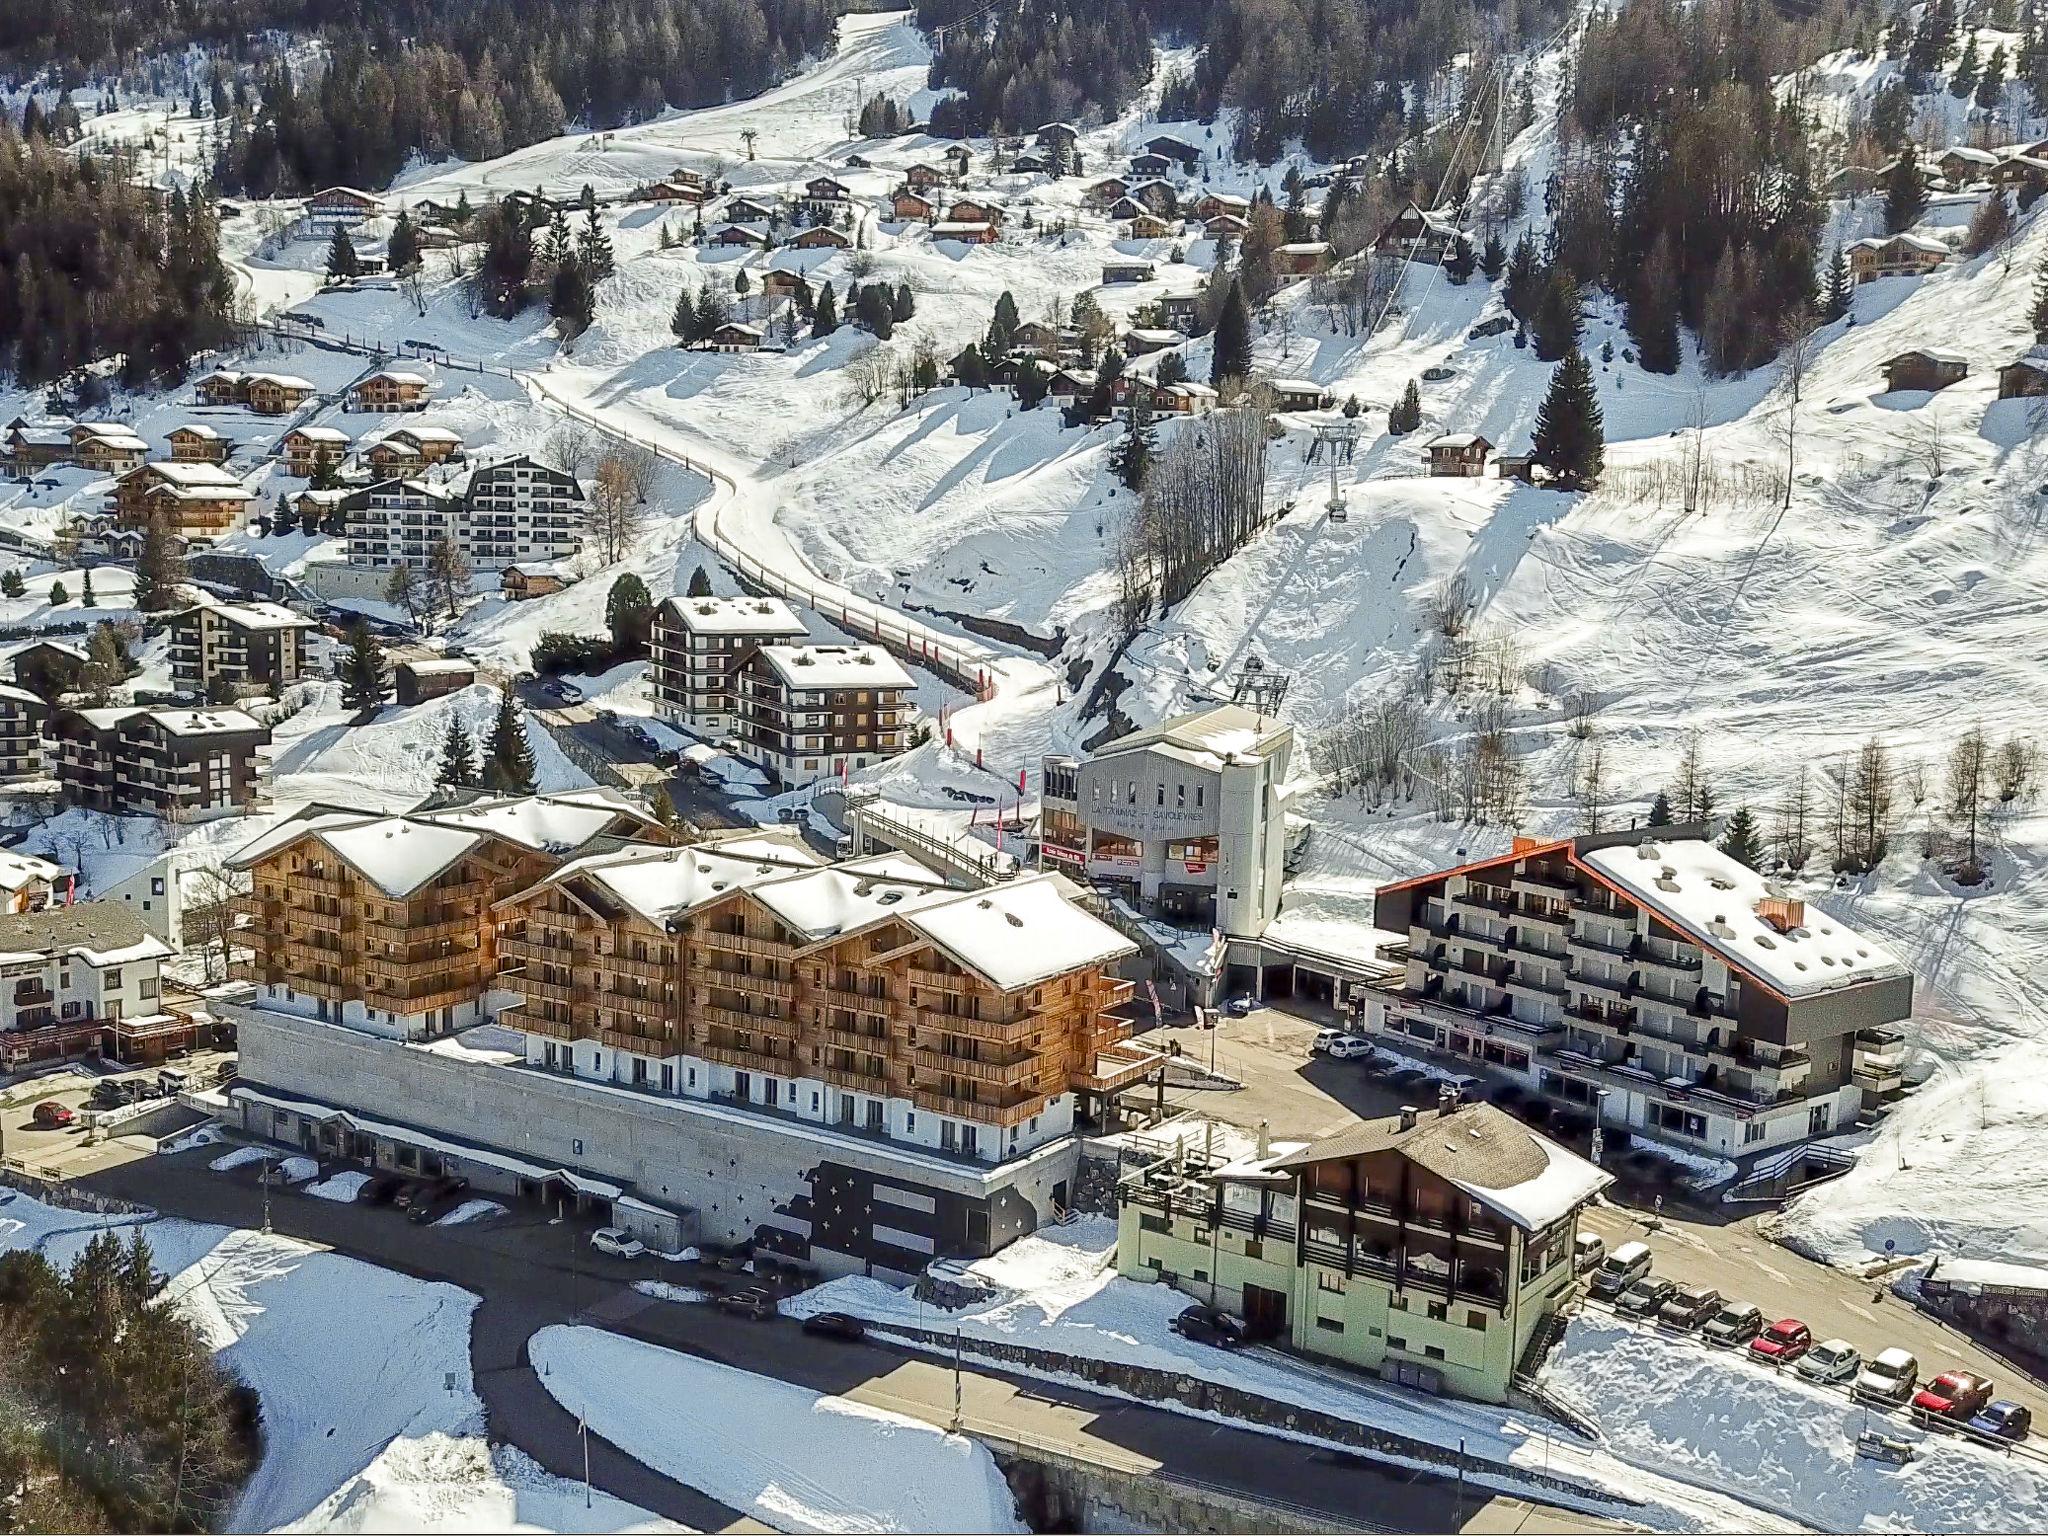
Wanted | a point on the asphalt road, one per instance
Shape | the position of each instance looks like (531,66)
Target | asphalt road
(530,1274)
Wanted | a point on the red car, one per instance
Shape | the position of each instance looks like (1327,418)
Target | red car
(52,1116)
(1782,1343)
(1953,1395)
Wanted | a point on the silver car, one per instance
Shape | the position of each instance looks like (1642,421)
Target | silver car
(1836,1360)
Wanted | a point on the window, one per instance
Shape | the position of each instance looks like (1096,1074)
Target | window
(1754,1130)
(111,982)
(1330,1324)
(1438,1311)
(1476,1320)
(1334,1284)
(1159,795)
(1180,796)
(146,988)
(1397,1303)
(1433,1351)
(1396,1343)
(910,1123)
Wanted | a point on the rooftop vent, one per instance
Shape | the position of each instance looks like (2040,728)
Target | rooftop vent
(1013,920)
(1648,851)
(1408,1114)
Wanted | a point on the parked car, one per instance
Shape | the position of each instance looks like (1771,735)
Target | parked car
(1402,1077)
(1832,1361)
(1438,374)
(1208,1325)
(1646,1297)
(752,1302)
(1735,1324)
(1239,1007)
(170,1082)
(1339,1046)
(1688,1307)
(1498,325)
(568,693)
(1954,1395)
(1589,1250)
(108,1092)
(438,1201)
(410,1191)
(617,1242)
(2005,1420)
(51,1116)
(1782,1343)
(1887,1379)
(380,1189)
(835,1325)
(1620,1270)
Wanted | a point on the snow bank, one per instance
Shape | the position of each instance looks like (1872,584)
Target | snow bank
(661,1290)
(240,1157)
(468,1211)
(340,1187)
(296,1170)
(1678,1407)
(792,1458)
(439,1482)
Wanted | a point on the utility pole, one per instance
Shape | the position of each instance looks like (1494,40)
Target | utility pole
(957,1417)
(583,1434)
(266,1194)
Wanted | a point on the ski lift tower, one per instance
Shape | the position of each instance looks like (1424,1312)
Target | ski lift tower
(1336,441)
(1258,687)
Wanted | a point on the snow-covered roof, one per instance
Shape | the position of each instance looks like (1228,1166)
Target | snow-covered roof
(1714,900)
(1974,156)
(552,823)
(838,899)
(397,855)
(1153,335)
(256,615)
(101,933)
(1914,242)
(191,477)
(1304,247)
(319,434)
(1019,933)
(194,429)
(449,666)
(1457,440)
(834,666)
(425,434)
(1932,354)
(393,376)
(662,884)
(1484,1152)
(281,380)
(735,615)
(177,722)
(23,869)
(1206,737)
(43,437)
(740,328)
(119,437)
(1990,1272)
(948,228)
(1296,386)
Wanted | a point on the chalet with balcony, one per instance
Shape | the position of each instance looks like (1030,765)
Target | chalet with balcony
(1180,151)
(389,389)
(195,501)
(308,450)
(37,445)
(1458,455)
(923,177)
(740,235)
(1416,234)
(1646,978)
(1429,1248)
(1903,255)
(197,443)
(341,208)
(276,394)
(107,447)
(909,203)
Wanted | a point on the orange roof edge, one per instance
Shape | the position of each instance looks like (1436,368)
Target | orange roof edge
(1518,851)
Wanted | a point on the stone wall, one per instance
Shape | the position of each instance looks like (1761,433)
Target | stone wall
(744,1174)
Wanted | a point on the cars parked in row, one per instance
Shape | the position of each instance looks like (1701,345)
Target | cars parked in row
(1339,1046)
(1646,1297)
(1689,1307)
(2005,1420)
(1782,1343)
(1887,1378)
(1735,1324)
(1835,1361)
(1957,1395)
(1620,1269)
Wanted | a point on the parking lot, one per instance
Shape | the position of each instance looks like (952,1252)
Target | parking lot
(72,1151)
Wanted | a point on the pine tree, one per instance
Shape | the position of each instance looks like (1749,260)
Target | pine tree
(1406,415)
(594,248)
(2039,316)
(58,594)
(1493,260)
(1132,458)
(342,262)
(1905,193)
(663,806)
(1840,290)
(1652,314)
(11,584)
(1962,83)
(1558,324)
(700,583)
(1991,83)
(1569,440)
(682,323)
(1459,265)
(904,304)
(1660,810)
(1231,357)
(873,309)
(458,768)
(570,300)
(1989,225)
(628,614)
(969,369)
(1002,328)
(362,671)
(508,755)
(826,321)
(85,596)
(1740,839)
(402,250)
(159,568)
(561,246)
(1524,280)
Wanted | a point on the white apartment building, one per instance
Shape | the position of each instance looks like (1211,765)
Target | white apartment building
(1186,819)
(698,645)
(515,512)
(78,979)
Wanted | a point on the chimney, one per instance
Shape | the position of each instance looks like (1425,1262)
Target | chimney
(1447,1098)
(1265,1141)
(1783,913)
(1408,1113)
(1524,845)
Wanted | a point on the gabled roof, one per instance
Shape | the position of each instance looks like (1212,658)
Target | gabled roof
(1932,354)
(1526,1178)
(99,932)
(1207,737)
(664,884)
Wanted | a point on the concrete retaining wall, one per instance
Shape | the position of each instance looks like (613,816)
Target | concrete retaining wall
(1060,1493)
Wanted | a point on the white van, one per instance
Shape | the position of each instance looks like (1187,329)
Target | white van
(1620,1270)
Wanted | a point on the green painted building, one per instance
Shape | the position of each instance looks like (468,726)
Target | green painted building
(1428,1247)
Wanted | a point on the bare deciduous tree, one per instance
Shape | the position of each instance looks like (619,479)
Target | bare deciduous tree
(620,484)
(1968,790)
(1791,839)
(2018,763)
(448,571)
(1590,787)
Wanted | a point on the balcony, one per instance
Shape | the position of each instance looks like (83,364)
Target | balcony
(978,1029)
(752,1023)
(533,1021)
(1023,1069)
(744,982)
(631,965)
(407,934)
(940,981)
(978,1110)
(741,944)
(1118,1067)
(1114,992)
(527,947)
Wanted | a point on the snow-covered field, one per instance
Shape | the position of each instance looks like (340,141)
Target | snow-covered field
(1058,1291)
(372,1426)
(794,1459)
(1678,1407)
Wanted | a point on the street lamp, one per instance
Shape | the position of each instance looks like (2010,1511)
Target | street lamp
(1599,1116)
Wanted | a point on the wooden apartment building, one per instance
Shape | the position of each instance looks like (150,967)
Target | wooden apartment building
(865,994)
(386,923)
